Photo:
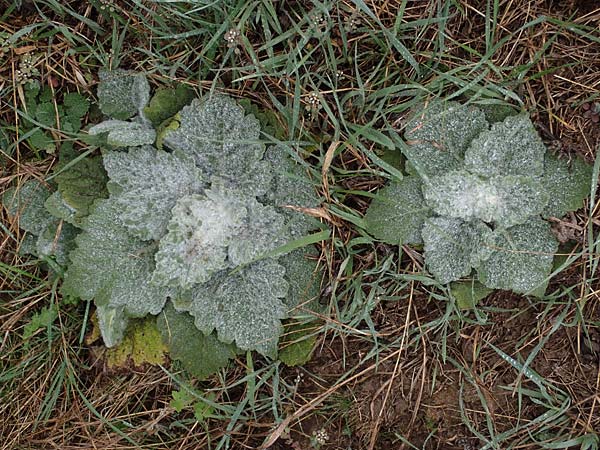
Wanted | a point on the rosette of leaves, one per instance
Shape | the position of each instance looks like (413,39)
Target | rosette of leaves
(477,197)
(197,232)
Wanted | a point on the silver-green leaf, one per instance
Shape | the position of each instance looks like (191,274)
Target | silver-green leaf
(146,183)
(521,257)
(112,267)
(453,247)
(568,184)
(122,94)
(245,306)
(510,147)
(223,142)
(438,135)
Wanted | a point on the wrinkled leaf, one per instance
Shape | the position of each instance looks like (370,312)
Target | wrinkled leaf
(453,247)
(567,184)
(122,94)
(199,354)
(76,105)
(396,215)
(303,278)
(505,200)
(26,202)
(124,134)
(245,306)
(146,184)
(438,135)
(112,267)
(290,186)
(521,257)
(510,147)
(195,246)
(223,142)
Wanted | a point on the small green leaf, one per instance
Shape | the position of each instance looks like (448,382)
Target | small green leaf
(203,410)
(45,114)
(297,343)
(76,105)
(567,184)
(397,213)
(200,354)
(468,293)
(39,140)
(166,102)
(42,319)
(181,400)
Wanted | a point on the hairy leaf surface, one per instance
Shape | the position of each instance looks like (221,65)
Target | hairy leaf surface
(510,147)
(521,257)
(290,186)
(146,183)
(121,133)
(223,142)
(122,94)
(438,135)
(245,306)
(57,240)
(200,230)
(505,200)
(303,278)
(27,203)
(396,215)
(112,267)
(453,247)
(567,184)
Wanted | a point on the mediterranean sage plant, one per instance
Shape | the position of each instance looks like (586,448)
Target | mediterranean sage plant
(478,196)
(185,216)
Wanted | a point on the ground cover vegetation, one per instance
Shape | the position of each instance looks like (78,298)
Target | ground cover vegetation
(389,355)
